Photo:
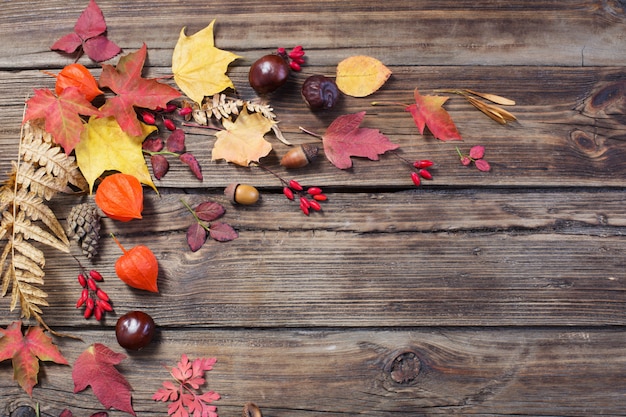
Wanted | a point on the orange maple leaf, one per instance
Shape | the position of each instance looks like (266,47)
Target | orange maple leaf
(428,112)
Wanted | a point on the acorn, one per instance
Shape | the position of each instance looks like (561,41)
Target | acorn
(243,194)
(300,156)
(251,410)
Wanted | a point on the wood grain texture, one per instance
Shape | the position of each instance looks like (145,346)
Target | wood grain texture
(497,293)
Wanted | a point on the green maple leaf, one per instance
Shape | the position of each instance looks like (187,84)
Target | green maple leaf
(26,351)
(104,146)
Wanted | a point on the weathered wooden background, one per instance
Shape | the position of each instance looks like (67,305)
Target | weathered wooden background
(498,293)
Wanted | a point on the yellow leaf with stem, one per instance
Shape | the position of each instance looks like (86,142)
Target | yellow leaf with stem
(104,146)
(242,141)
(199,67)
(360,76)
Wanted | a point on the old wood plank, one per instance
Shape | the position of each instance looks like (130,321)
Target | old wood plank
(382,373)
(411,33)
(569,133)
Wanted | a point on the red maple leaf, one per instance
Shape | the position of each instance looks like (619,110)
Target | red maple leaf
(344,138)
(62,114)
(428,112)
(95,367)
(26,352)
(133,90)
(185,402)
(89,33)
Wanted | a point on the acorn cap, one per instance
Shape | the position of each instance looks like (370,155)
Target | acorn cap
(229,191)
(310,151)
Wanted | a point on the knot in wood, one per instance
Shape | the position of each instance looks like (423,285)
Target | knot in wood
(404,368)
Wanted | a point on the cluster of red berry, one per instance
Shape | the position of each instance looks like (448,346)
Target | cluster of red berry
(421,171)
(95,300)
(296,57)
(309,199)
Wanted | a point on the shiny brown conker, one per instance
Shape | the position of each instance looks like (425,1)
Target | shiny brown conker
(134,330)
(268,73)
(320,92)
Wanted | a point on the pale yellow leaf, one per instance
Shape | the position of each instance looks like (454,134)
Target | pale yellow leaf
(242,142)
(360,76)
(199,67)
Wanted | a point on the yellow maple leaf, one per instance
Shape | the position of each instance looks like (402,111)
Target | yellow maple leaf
(199,67)
(241,141)
(360,76)
(104,146)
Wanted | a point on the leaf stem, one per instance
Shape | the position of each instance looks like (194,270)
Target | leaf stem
(193,212)
(388,103)
(316,135)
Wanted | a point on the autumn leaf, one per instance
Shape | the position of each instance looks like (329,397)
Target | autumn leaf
(62,114)
(242,142)
(26,352)
(344,138)
(428,112)
(105,147)
(89,33)
(95,367)
(133,91)
(199,67)
(360,76)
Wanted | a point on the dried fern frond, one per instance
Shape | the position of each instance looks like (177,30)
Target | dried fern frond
(221,107)
(41,171)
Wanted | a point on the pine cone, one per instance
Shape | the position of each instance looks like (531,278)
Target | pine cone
(84,227)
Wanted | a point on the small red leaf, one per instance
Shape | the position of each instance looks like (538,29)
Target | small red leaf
(95,368)
(222,232)
(101,48)
(176,141)
(160,166)
(193,164)
(477,152)
(196,236)
(344,138)
(152,144)
(68,43)
(209,211)
(482,165)
(91,22)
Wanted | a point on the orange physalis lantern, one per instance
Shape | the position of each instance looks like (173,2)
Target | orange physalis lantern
(77,75)
(120,197)
(138,267)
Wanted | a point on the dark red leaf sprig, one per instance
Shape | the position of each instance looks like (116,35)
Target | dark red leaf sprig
(95,300)
(476,155)
(419,169)
(309,198)
(89,36)
(205,226)
(295,57)
(174,145)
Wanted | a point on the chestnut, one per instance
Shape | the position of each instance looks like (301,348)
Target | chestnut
(320,92)
(134,330)
(268,73)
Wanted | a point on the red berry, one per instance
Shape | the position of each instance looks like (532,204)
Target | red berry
(288,193)
(84,295)
(102,295)
(82,280)
(88,312)
(92,284)
(425,174)
(320,197)
(95,275)
(104,305)
(295,185)
(185,111)
(169,124)
(423,163)
(90,303)
(305,202)
(295,66)
(314,191)
(148,117)
(97,312)
(415,178)
(304,208)
(315,205)
(170,108)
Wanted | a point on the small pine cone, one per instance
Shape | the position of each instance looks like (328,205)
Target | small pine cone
(84,227)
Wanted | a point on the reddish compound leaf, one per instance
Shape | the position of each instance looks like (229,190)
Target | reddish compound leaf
(26,351)
(344,138)
(89,32)
(428,112)
(222,232)
(209,211)
(95,367)
(133,91)
(196,236)
(62,114)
